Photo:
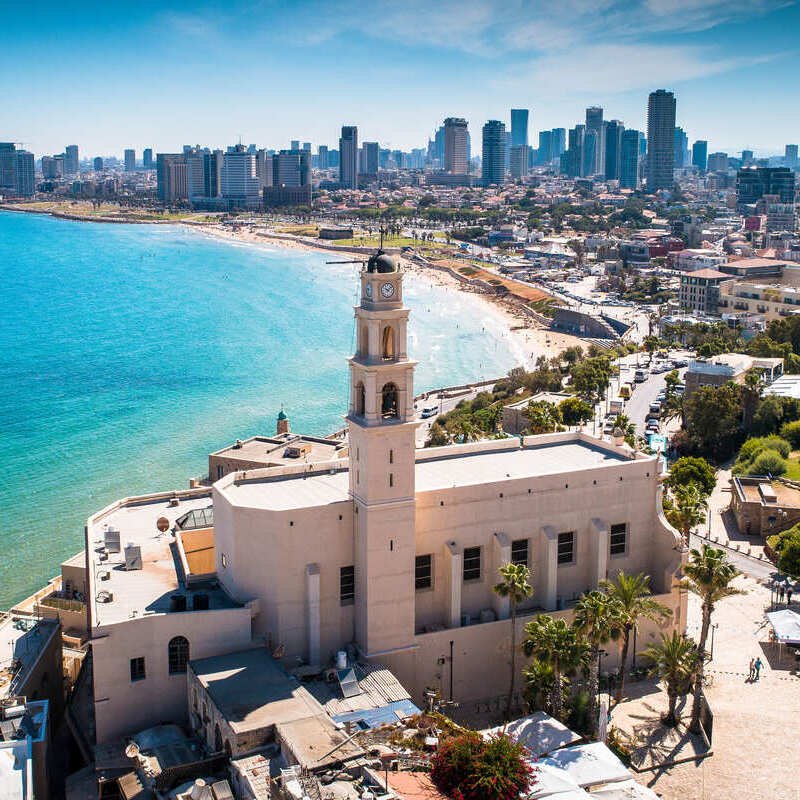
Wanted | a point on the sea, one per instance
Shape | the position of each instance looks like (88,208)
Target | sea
(130,352)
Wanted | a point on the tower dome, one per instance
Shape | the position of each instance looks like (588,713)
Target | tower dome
(382,262)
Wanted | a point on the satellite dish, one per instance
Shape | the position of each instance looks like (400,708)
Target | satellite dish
(132,750)
(162,524)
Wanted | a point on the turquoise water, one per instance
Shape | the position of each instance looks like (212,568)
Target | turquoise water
(129,352)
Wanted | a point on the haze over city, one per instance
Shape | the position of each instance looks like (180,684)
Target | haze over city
(150,74)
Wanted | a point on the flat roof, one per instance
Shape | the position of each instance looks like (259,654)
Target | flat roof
(22,641)
(453,469)
(282,449)
(150,589)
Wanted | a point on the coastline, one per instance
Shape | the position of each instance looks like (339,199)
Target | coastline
(531,339)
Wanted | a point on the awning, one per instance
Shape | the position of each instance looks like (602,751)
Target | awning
(589,764)
(786,624)
(539,732)
(625,790)
(552,782)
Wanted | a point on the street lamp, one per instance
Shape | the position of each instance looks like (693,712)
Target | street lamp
(714,627)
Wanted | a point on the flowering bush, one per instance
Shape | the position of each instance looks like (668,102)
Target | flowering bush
(469,767)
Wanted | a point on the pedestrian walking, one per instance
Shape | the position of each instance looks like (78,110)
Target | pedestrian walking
(757,666)
(788,595)
(752,672)
(781,590)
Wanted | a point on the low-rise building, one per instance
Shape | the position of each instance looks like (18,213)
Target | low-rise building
(689,260)
(727,367)
(772,299)
(699,290)
(762,506)
(24,744)
(514,417)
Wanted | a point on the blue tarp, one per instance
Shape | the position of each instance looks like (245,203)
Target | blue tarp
(375,717)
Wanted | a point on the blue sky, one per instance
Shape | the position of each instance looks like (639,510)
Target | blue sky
(137,74)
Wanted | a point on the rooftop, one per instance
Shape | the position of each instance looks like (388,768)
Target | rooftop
(288,448)
(436,469)
(707,273)
(22,641)
(118,593)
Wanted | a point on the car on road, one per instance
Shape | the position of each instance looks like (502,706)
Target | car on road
(655,411)
(429,411)
(652,426)
(640,376)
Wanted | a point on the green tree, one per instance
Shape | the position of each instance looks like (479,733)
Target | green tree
(789,556)
(437,436)
(686,509)
(691,469)
(591,377)
(708,575)
(751,396)
(574,411)
(515,587)
(791,432)
(555,643)
(677,663)
(539,680)
(543,417)
(713,419)
(598,619)
(632,593)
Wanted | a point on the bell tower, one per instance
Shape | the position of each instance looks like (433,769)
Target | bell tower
(382,428)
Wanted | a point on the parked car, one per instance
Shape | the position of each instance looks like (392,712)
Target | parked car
(640,376)
(652,426)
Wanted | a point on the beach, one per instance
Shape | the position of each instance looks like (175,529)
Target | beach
(530,338)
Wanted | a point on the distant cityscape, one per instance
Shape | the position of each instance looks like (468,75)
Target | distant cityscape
(249,177)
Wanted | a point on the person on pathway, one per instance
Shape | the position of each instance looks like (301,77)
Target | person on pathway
(752,670)
(780,593)
(788,595)
(757,666)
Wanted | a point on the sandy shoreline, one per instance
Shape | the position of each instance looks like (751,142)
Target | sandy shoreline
(530,339)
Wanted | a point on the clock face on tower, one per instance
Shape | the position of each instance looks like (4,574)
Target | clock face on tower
(387,290)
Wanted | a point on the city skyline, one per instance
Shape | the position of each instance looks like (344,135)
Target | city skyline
(280,73)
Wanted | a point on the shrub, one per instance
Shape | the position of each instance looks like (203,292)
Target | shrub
(469,767)
(768,462)
(752,447)
(791,432)
(789,558)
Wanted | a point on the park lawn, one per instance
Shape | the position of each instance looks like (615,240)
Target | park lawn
(793,468)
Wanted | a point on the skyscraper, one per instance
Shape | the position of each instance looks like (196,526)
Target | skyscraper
(295,144)
(544,155)
(660,140)
(322,157)
(614,131)
(130,160)
(753,183)
(371,152)
(71,161)
(171,177)
(559,141)
(456,160)
(629,160)
(519,161)
(147,158)
(790,156)
(195,173)
(98,164)
(700,155)
(590,147)
(519,126)
(681,148)
(494,152)
(212,174)
(17,170)
(573,160)
(348,157)
(594,122)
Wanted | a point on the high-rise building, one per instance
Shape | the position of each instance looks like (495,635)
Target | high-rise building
(456,159)
(573,158)
(130,160)
(147,158)
(559,141)
(544,155)
(747,158)
(295,144)
(519,127)
(681,148)
(753,183)
(614,131)
(790,156)
(291,179)
(52,167)
(493,156)
(239,179)
(594,122)
(590,146)
(17,170)
(629,160)
(171,179)
(71,161)
(322,157)
(660,140)
(700,155)
(307,147)
(98,164)
(371,155)
(348,157)
(718,162)
(212,173)
(519,161)
(195,173)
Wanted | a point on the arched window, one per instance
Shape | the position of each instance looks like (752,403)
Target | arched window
(178,651)
(217,739)
(389,406)
(360,399)
(387,342)
(364,345)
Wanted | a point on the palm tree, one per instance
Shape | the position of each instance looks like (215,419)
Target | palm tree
(708,574)
(516,587)
(685,509)
(632,592)
(751,394)
(555,643)
(677,662)
(598,619)
(539,680)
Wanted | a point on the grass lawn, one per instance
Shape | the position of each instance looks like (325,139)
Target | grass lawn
(793,469)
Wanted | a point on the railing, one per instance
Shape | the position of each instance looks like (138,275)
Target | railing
(64,603)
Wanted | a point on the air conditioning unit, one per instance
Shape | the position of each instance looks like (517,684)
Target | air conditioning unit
(133,557)
(111,540)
